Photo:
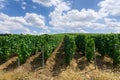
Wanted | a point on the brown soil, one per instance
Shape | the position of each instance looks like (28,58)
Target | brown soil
(56,69)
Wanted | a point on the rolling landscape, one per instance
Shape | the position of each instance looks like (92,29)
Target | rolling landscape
(59,39)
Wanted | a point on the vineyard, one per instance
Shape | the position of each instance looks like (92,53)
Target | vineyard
(89,46)
(26,45)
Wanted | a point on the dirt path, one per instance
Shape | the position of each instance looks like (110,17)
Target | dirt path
(9,63)
(55,64)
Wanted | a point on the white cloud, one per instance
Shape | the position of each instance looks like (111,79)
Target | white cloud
(56,15)
(83,15)
(110,7)
(22,24)
(35,20)
(9,24)
(47,3)
(65,18)
(12,26)
(112,24)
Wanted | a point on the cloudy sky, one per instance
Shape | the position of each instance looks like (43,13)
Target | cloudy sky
(59,16)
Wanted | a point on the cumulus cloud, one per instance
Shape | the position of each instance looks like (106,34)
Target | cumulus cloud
(112,24)
(35,20)
(56,15)
(87,20)
(22,24)
(65,19)
(110,7)
(75,20)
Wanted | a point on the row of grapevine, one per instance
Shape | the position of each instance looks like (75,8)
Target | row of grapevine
(50,43)
(89,48)
(109,44)
(86,45)
(8,46)
(69,48)
(26,45)
(105,44)
(21,45)
(80,43)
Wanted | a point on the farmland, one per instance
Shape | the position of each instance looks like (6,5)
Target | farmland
(60,57)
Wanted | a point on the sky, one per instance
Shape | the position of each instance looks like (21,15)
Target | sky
(59,16)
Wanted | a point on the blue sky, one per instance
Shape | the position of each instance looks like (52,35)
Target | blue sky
(59,16)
